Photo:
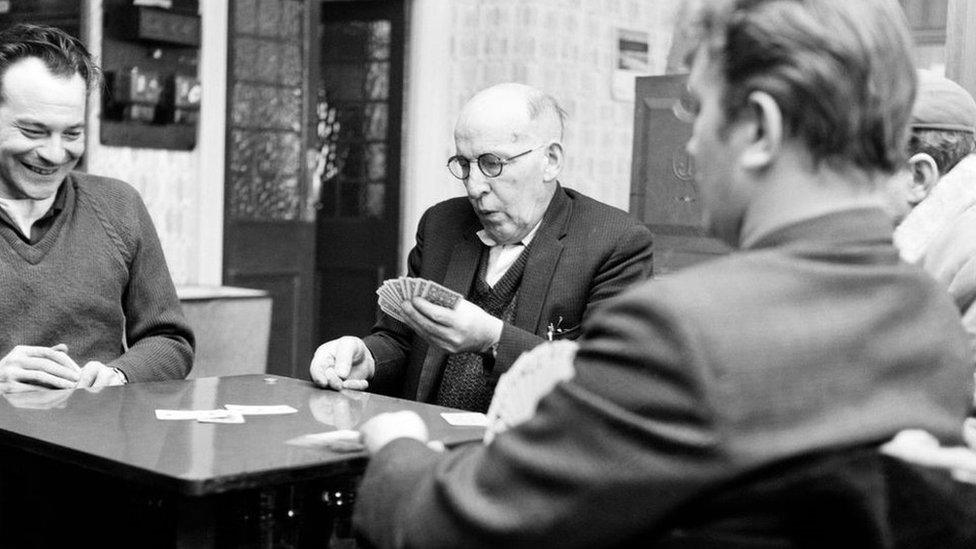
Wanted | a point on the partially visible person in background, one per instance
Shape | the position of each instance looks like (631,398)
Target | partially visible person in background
(85,295)
(936,193)
(934,199)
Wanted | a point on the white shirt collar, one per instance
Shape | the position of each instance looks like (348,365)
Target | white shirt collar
(487,240)
(25,211)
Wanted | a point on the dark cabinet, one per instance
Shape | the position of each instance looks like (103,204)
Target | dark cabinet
(663,193)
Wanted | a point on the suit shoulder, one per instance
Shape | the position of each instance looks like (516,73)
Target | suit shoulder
(456,205)
(591,208)
(697,283)
(452,211)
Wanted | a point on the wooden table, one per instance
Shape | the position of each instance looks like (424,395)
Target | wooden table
(79,466)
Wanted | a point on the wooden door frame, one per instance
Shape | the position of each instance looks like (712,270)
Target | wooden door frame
(394,160)
(282,268)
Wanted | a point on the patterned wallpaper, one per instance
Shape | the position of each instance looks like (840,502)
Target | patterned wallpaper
(568,48)
(168,183)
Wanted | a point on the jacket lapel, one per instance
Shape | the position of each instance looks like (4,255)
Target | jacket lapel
(544,253)
(459,276)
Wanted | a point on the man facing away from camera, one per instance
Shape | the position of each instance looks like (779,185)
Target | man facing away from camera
(532,259)
(695,396)
(85,294)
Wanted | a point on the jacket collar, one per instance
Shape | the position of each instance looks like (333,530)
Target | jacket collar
(852,226)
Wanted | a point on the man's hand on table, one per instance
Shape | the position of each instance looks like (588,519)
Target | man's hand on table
(343,363)
(921,448)
(31,368)
(96,375)
(384,428)
(466,327)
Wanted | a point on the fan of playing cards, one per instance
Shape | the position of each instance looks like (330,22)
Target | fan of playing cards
(397,290)
(531,377)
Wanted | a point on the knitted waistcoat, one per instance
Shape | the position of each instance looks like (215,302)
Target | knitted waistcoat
(467,381)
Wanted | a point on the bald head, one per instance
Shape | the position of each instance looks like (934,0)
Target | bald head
(516,131)
(524,112)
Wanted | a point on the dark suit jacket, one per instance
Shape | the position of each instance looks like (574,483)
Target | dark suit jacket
(818,340)
(583,253)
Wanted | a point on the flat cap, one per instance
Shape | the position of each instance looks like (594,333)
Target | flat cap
(941,104)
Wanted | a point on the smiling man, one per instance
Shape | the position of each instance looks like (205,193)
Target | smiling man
(739,402)
(85,294)
(531,258)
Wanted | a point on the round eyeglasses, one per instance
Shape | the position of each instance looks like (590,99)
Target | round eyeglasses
(490,164)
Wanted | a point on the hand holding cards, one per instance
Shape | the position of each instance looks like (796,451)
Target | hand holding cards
(395,291)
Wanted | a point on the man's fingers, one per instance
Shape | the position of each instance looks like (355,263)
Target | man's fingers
(969,432)
(103,377)
(87,376)
(318,375)
(381,429)
(432,312)
(338,360)
(355,384)
(322,361)
(43,379)
(434,333)
(410,322)
(347,352)
(417,319)
(50,367)
(332,379)
(962,475)
(53,354)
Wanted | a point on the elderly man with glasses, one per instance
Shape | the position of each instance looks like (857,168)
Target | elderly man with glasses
(530,257)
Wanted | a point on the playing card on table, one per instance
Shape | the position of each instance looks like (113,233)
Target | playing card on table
(191,414)
(261,409)
(465,419)
(233,417)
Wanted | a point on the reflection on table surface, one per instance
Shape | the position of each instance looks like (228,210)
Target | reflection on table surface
(115,430)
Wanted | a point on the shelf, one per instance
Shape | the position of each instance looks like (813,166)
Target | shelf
(149,136)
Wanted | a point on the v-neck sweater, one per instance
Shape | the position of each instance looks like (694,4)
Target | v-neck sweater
(97,281)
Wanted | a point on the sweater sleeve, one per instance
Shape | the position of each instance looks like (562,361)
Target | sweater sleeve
(158,337)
